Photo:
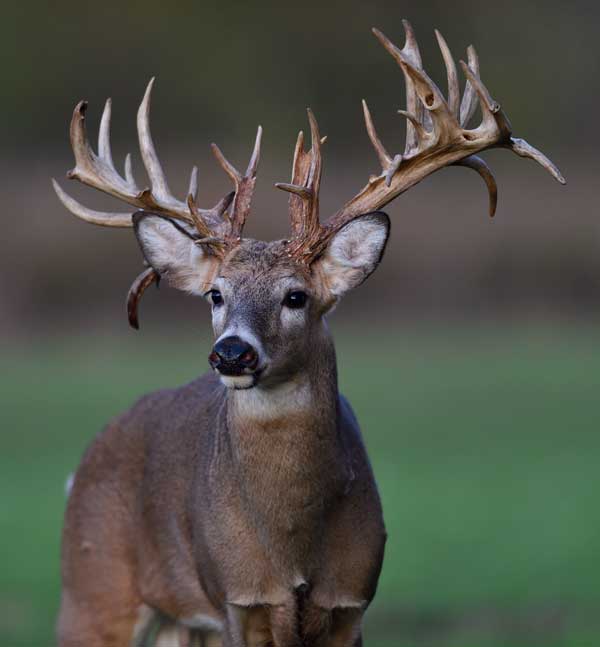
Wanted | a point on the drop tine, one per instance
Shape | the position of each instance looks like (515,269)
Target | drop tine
(479,166)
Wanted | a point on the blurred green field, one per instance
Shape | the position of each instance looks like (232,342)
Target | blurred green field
(485,445)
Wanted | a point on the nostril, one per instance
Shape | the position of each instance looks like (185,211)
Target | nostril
(213,358)
(249,358)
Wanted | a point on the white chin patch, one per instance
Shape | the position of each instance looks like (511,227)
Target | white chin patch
(237,381)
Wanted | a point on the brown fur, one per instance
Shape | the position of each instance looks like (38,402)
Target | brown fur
(205,501)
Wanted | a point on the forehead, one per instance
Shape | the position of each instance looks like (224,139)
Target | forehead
(261,262)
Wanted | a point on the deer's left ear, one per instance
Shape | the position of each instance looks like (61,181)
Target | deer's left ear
(353,253)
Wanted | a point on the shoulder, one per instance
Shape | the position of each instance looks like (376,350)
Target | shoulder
(173,404)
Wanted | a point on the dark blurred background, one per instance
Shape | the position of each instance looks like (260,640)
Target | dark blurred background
(471,356)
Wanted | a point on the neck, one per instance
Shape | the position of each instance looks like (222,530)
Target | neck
(284,435)
(308,399)
(286,453)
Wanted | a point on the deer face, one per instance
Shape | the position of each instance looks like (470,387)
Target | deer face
(267,308)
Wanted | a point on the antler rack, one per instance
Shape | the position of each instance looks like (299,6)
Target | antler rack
(437,135)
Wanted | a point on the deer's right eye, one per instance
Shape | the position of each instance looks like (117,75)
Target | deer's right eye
(295,299)
(216,297)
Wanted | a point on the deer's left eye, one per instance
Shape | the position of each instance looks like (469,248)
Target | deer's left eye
(295,299)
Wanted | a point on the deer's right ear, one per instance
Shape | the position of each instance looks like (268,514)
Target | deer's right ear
(170,250)
(354,252)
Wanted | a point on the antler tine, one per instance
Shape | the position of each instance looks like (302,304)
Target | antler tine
(103,218)
(104,150)
(479,166)
(255,158)
(420,131)
(129,172)
(244,187)
(226,165)
(389,165)
(158,181)
(301,193)
(469,100)
(298,152)
(220,209)
(193,186)
(488,105)
(453,89)
(523,149)
(411,52)
(493,115)
(384,157)
(314,171)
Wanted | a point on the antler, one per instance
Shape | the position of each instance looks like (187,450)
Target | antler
(437,135)
(215,227)
(304,190)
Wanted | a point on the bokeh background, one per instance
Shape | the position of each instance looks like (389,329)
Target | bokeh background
(472,356)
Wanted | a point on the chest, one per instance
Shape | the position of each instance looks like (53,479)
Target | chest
(265,506)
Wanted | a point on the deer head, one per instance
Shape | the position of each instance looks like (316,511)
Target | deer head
(269,299)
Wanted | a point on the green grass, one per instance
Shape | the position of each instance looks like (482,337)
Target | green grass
(485,445)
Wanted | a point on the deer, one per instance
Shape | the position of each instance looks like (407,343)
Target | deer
(241,510)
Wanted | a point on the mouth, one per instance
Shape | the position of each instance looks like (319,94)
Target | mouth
(240,382)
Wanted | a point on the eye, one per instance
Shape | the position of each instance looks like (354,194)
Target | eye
(216,297)
(295,299)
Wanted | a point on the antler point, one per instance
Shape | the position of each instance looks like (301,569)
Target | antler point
(149,86)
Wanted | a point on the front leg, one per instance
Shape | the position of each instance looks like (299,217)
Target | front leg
(250,627)
(233,633)
(283,620)
(339,627)
(346,628)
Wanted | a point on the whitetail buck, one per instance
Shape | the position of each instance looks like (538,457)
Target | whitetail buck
(241,510)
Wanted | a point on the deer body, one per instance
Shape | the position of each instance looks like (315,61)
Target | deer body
(232,502)
(243,504)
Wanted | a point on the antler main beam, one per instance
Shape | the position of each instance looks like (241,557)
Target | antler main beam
(437,135)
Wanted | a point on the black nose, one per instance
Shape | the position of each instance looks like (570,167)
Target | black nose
(232,356)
